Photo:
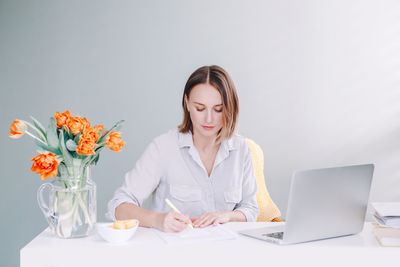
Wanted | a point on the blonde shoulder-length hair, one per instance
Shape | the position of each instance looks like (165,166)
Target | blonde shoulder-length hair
(220,79)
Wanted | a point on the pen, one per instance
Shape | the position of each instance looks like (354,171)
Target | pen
(175,209)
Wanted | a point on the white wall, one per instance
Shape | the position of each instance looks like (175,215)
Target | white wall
(318,83)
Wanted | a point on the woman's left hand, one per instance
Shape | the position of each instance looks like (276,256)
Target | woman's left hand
(211,218)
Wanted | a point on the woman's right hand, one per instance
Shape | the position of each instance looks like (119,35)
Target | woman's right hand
(172,221)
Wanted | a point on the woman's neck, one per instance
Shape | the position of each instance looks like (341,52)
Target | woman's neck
(204,143)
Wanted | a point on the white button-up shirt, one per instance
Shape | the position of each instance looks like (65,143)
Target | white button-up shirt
(171,168)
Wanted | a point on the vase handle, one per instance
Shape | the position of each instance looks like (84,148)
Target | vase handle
(42,204)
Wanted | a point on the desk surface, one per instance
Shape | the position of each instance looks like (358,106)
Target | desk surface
(147,249)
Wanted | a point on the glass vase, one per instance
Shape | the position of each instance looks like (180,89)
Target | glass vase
(71,207)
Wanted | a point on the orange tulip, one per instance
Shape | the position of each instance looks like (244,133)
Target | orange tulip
(75,124)
(85,147)
(18,129)
(98,128)
(86,123)
(90,134)
(62,118)
(45,164)
(114,141)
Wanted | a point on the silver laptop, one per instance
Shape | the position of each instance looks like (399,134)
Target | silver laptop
(323,203)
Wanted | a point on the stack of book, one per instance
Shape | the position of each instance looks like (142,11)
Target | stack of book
(387,226)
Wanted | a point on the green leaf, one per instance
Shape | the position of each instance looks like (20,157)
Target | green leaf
(66,155)
(77,137)
(86,160)
(39,128)
(92,159)
(71,145)
(103,132)
(62,170)
(99,148)
(70,135)
(56,151)
(66,137)
(96,158)
(116,127)
(52,138)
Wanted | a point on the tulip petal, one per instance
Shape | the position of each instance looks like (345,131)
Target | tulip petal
(16,136)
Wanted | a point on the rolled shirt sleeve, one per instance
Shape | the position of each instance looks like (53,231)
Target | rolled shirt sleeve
(140,182)
(248,204)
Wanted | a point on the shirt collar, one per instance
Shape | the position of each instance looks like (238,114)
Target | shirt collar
(186,140)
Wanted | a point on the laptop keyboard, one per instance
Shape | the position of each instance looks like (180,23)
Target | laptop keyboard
(278,235)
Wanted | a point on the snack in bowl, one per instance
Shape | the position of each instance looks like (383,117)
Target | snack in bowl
(123,224)
(117,232)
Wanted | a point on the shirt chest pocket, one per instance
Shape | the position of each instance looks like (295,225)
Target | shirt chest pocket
(233,196)
(185,193)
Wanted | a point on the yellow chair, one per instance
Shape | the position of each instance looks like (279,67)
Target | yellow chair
(268,210)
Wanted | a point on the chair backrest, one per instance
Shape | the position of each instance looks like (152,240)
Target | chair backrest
(268,210)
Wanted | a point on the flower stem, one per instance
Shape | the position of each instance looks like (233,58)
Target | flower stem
(35,137)
(43,138)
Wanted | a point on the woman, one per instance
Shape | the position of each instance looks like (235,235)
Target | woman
(203,168)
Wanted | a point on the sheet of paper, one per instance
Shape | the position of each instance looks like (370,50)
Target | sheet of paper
(387,208)
(387,221)
(387,236)
(196,235)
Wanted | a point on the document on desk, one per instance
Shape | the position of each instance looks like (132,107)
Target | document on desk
(387,236)
(387,213)
(197,235)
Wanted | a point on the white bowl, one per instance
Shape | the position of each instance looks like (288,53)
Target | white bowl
(115,235)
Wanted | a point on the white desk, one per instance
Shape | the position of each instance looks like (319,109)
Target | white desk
(147,249)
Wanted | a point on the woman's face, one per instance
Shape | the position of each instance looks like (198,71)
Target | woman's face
(205,109)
